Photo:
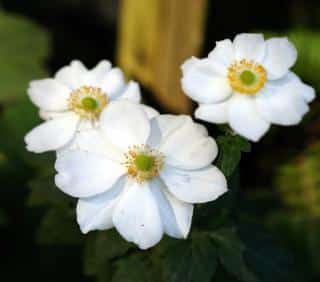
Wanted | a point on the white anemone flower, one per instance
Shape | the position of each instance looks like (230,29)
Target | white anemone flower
(248,84)
(141,176)
(73,100)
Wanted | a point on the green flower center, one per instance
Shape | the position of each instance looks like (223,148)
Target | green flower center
(89,104)
(144,162)
(247,77)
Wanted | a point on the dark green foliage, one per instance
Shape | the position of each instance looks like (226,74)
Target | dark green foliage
(198,258)
(51,231)
(134,268)
(101,249)
(3,218)
(231,250)
(269,260)
(23,48)
(230,149)
(58,225)
(43,191)
(193,260)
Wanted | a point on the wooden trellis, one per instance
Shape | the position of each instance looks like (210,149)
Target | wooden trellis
(154,38)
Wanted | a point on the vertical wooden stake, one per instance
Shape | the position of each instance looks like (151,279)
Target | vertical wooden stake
(154,39)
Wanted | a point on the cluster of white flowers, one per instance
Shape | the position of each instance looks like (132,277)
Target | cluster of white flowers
(141,172)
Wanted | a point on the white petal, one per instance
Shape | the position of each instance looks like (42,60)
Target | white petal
(162,127)
(189,64)
(83,174)
(215,113)
(308,93)
(113,83)
(137,217)
(131,92)
(46,115)
(186,147)
(222,56)
(244,118)
(72,76)
(280,102)
(49,94)
(202,129)
(86,125)
(97,74)
(151,112)
(249,46)
(176,215)
(125,124)
(204,65)
(205,86)
(52,134)
(93,141)
(195,186)
(95,213)
(165,125)
(280,57)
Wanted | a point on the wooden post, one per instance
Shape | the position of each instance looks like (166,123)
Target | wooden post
(154,39)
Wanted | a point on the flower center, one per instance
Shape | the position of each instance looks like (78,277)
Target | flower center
(88,102)
(247,77)
(143,163)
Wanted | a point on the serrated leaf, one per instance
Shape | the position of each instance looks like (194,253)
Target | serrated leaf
(231,254)
(102,247)
(230,149)
(194,260)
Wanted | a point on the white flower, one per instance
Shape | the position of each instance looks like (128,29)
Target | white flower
(248,84)
(73,100)
(141,176)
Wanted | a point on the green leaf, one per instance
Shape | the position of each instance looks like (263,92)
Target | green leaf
(104,274)
(58,226)
(194,260)
(101,247)
(134,268)
(218,213)
(23,50)
(16,120)
(231,254)
(230,149)
(18,66)
(270,261)
(44,191)
(3,218)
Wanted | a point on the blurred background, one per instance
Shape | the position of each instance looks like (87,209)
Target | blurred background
(275,199)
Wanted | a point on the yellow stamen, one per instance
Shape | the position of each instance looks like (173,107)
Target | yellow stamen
(88,102)
(143,163)
(247,77)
